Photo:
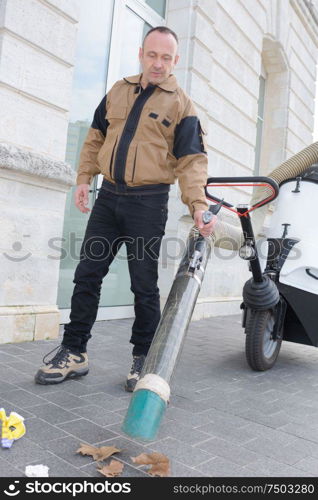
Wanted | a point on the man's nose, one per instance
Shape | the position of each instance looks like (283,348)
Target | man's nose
(158,63)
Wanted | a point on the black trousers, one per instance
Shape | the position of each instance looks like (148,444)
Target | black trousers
(138,220)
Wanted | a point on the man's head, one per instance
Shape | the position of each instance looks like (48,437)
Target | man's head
(158,55)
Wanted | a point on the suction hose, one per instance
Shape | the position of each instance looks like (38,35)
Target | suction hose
(227,235)
(289,169)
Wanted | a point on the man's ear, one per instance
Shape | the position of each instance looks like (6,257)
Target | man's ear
(176,59)
(141,52)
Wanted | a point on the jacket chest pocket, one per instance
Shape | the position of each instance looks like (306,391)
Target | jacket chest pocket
(115,115)
(156,121)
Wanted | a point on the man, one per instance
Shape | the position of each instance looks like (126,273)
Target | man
(144,134)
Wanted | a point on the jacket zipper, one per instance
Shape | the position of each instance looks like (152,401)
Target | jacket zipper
(129,132)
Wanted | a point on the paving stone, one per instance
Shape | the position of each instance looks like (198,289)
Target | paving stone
(60,468)
(15,376)
(92,379)
(6,387)
(15,350)
(253,429)
(8,470)
(99,416)
(54,414)
(22,452)
(227,431)
(128,447)
(310,433)
(21,365)
(177,469)
(275,420)
(40,431)
(237,454)
(180,415)
(106,401)
(308,464)
(182,452)
(80,389)
(9,407)
(66,449)
(6,357)
(221,418)
(268,466)
(219,467)
(128,470)
(65,399)
(184,433)
(288,454)
(90,432)
(21,398)
(40,390)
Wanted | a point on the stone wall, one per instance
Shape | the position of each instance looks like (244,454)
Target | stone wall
(37,41)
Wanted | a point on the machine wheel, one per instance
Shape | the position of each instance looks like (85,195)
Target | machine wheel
(261,350)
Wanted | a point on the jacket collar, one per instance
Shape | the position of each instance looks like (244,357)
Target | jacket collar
(169,85)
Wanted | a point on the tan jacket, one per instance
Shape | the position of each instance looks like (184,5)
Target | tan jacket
(151,136)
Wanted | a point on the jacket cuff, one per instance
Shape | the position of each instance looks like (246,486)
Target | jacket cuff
(199,205)
(83,179)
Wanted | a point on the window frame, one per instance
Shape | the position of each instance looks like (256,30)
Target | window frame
(261,102)
(142,10)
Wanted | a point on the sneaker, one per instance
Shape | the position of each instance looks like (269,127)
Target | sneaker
(134,374)
(65,364)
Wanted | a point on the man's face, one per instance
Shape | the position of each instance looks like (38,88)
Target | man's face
(158,57)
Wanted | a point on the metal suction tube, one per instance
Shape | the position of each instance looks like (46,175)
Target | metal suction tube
(152,392)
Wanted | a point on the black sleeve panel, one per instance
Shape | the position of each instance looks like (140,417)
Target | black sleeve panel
(99,121)
(188,137)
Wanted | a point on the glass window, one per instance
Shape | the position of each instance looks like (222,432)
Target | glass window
(136,28)
(158,5)
(89,82)
(133,27)
(260,123)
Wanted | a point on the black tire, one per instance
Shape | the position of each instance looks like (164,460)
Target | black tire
(260,349)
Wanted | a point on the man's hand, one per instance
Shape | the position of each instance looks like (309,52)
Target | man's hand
(205,229)
(81,198)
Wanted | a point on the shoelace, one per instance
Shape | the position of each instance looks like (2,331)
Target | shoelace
(61,355)
(138,363)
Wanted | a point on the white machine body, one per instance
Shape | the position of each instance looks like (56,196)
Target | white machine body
(299,209)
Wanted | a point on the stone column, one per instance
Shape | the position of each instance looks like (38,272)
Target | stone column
(32,198)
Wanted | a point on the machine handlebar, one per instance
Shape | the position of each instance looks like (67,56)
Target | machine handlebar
(242,181)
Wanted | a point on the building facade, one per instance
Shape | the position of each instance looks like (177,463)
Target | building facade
(250,68)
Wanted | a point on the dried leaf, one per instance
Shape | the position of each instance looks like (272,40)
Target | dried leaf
(159,462)
(144,458)
(98,453)
(115,468)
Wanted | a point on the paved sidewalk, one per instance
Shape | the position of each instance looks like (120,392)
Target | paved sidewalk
(223,418)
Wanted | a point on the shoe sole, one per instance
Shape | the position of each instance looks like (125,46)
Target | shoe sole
(40,377)
(128,389)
